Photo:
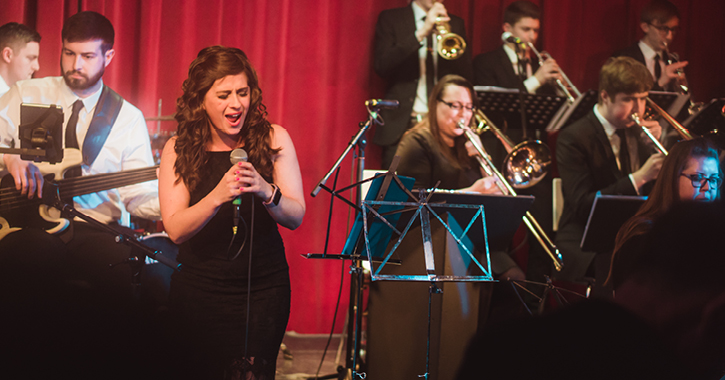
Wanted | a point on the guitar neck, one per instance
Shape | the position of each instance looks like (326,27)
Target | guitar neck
(72,187)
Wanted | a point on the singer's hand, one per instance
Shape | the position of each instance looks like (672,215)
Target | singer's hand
(250,181)
(27,176)
(548,71)
(436,13)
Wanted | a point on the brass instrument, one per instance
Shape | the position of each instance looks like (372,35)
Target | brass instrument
(564,87)
(526,163)
(450,45)
(507,189)
(684,133)
(682,85)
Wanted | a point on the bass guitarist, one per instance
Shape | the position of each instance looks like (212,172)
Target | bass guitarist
(111,136)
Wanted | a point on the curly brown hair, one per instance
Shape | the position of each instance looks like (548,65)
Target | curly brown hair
(194,130)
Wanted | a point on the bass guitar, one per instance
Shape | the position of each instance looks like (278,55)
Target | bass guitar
(17,211)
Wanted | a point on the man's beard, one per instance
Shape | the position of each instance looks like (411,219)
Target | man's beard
(82,84)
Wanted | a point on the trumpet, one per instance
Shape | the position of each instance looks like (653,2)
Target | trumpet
(536,230)
(682,85)
(526,163)
(450,45)
(564,87)
(684,133)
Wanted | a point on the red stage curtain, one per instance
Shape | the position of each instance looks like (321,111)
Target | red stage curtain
(315,66)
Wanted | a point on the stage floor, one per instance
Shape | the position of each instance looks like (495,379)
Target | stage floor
(300,355)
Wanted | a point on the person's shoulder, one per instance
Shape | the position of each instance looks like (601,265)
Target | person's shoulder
(580,126)
(40,83)
(489,55)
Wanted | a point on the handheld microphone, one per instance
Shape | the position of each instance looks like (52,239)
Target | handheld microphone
(238,155)
(382,103)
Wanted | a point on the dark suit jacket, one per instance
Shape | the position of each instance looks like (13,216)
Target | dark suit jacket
(587,166)
(396,61)
(635,52)
(495,69)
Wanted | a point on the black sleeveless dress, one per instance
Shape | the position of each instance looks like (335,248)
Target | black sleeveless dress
(210,293)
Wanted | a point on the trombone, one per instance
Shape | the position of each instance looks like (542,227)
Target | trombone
(507,189)
(564,87)
(684,133)
(526,163)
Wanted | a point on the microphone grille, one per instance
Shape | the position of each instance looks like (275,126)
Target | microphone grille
(238,155)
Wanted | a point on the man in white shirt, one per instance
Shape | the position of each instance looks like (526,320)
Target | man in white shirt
(20,47)
(112,136)
(660,22)
(593,159)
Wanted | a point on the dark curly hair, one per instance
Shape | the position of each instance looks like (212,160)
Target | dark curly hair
(194,130)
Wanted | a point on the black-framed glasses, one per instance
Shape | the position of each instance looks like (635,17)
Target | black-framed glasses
(665,29)
(698,180)
(457,106)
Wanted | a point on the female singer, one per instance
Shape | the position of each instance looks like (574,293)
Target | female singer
(233,294)
(690,172)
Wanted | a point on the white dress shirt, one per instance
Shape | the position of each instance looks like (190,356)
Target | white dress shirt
(649,59)
(615,143)
(3,86)
(420,104)
(127,147)
(531,83)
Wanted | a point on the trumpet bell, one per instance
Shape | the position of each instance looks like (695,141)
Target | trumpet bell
(527,164)
(451,46)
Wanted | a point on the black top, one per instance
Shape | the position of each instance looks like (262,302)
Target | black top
(206,255)
(421,158)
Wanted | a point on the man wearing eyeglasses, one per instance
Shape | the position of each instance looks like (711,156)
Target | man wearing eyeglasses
(660,22)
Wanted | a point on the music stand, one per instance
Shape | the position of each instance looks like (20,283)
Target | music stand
(708,119)
(672,102)
(608,214)
(461,220)
(540,109)
(581,106)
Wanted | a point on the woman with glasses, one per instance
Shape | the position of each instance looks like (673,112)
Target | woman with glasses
(436,149)
(690,172)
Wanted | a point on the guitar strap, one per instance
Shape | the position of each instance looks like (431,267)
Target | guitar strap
(107,110)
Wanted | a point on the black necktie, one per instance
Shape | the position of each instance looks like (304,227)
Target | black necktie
(624,162)
(658,69)
(429,66)
(71,140)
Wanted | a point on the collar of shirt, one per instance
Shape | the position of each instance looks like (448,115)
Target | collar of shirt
(3,86)
(512,57)
(89,103)
(419,15)
(608,127)
(649,57)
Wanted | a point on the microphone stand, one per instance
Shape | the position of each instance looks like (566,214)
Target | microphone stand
(356,268)
(135,261)
(522,89)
